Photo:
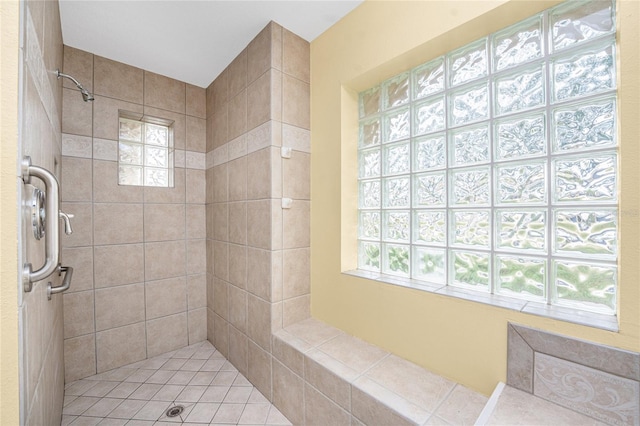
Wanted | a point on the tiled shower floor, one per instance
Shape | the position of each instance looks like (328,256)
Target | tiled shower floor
(198,377)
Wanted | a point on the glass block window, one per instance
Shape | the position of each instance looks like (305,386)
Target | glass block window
(494,167)
(145,152)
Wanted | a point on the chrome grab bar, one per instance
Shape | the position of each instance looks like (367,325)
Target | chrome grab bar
(50,228)
(51,225)
(66,281)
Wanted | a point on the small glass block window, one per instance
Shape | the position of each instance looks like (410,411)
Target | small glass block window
(145,152)
(494,167)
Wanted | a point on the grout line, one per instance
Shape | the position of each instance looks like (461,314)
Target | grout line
(442,401)
(93,225)
(364,373)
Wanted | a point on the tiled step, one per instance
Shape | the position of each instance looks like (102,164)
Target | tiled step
(510,406)
(358,383)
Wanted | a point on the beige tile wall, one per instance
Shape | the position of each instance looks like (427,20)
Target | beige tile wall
(139,254)
(258,252)
(41,351)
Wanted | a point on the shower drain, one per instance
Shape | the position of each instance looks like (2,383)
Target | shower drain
(175,411)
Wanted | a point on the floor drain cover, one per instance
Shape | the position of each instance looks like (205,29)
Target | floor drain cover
(175,411)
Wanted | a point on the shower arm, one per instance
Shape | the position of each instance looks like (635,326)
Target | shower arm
(86,95)
(78,85)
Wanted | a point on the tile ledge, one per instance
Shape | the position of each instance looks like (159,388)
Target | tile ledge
(406,408)
(589,319)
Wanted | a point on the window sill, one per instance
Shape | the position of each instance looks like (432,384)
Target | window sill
(604,322)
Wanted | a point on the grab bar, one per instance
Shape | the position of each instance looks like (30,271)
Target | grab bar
(51,225)
(66,281)
(50,229)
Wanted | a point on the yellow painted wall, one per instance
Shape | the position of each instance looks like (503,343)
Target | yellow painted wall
(461,340)
(9,391)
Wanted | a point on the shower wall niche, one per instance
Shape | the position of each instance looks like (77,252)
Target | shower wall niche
(139,253)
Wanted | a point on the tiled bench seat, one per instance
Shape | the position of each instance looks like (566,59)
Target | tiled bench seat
(323,376)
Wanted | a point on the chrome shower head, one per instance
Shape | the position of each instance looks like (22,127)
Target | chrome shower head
(86,95)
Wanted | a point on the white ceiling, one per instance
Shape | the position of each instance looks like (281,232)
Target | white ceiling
(191,41)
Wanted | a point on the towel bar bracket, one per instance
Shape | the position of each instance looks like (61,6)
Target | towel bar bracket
(66,281)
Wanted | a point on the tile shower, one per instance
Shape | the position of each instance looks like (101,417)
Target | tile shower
(220,256)
(140,252)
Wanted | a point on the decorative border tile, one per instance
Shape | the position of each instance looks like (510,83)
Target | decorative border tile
(195,160)
(603,396)
(76,146)
(269,134)
(561,369)
(297,138)
(606,358)
(105,149)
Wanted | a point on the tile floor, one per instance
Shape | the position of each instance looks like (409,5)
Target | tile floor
(197,377)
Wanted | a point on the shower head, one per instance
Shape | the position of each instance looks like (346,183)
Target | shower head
(86,95)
